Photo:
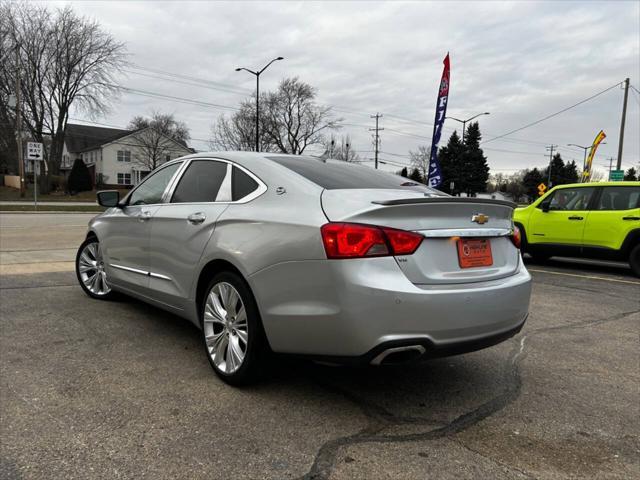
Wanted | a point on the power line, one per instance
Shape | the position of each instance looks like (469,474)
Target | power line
(554,114)
(231,89)
(190,83)
(191,78)
(146,93)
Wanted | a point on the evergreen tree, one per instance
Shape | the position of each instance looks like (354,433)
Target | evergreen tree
(475,170)
(79,178)
(557,171)
(571,172)
(404,173)
(415,176)
(450,164)
(631,174)
(531,179)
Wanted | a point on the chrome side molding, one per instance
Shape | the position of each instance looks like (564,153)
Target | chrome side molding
(140,272)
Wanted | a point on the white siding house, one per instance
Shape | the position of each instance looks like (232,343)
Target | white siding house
(118,157)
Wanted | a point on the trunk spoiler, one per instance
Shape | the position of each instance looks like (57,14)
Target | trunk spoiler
(481,201)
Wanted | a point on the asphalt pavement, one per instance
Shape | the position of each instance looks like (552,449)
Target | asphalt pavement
(94,389)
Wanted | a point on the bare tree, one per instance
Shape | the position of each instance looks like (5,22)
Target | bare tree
(156,137)
(238,132)
(420,160)
(290,121)
(341,149)
(294,120)
(64,60)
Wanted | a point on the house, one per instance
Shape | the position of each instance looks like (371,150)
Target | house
(496,196)
(116,157)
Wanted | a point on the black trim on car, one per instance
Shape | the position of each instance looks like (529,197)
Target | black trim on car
(582,251)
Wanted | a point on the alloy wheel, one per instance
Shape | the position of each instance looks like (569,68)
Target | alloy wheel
(225,327)
(91,269)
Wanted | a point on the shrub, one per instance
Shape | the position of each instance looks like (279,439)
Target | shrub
(79,178)
(58,183)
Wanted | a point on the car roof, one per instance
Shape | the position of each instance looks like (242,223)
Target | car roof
(599,184)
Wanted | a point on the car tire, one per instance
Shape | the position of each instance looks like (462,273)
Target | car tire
(232,332)
(90,270)
(634,260)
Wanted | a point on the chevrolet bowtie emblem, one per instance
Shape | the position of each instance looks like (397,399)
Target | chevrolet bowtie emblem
(480,218)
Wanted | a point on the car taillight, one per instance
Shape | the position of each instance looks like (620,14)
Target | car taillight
(516,237)
(402,242)
(353,240)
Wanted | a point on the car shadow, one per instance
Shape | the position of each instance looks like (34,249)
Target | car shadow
(424,395)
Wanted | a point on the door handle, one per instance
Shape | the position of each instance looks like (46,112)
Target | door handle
(144,215)
(631,218)
(575,218)
(196,218)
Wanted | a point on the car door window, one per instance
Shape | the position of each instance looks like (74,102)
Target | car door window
(570,199)
(619,198)
(242,184)
(150,191)
(204,181)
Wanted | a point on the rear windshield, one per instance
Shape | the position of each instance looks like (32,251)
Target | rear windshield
(335,174)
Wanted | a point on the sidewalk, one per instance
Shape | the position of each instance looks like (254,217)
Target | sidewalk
(53,204)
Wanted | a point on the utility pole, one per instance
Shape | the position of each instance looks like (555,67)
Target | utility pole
(376,140)
(19,123)
(551,148)
(624,116)
(610,167)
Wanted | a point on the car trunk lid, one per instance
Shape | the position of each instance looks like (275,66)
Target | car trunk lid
(449,224)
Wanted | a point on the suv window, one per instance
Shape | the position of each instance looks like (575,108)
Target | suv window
(568,199)
(335,174)
(619,198)
(242,184)
(202,182)
(151,189)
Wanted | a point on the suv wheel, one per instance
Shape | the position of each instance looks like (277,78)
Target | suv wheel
(634,260)
(231,329)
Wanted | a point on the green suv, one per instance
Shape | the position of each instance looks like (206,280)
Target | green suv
(593,220)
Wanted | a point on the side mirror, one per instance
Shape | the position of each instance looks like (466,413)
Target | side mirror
(545,207)
(108,198)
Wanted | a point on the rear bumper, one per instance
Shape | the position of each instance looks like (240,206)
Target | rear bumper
(384,353)
(356,308)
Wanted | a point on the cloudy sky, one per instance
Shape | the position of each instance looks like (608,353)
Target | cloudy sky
(520,61)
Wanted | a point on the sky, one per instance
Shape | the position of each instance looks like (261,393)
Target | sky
(520,61)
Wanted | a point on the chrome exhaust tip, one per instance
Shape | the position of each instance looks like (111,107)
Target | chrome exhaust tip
(398,355)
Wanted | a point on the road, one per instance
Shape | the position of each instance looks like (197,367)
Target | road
(118,389)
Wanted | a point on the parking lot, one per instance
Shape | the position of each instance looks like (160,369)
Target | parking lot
(119,389)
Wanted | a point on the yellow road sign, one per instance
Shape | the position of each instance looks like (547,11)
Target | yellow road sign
(541,189)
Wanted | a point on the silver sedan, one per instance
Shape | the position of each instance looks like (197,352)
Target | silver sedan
(322,258)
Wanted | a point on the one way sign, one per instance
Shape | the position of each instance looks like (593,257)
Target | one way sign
(34,151)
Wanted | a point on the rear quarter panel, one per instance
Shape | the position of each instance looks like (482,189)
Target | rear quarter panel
(271,229)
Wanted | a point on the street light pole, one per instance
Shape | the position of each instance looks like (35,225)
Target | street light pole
(584,158)
(257,75)
(464,122)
